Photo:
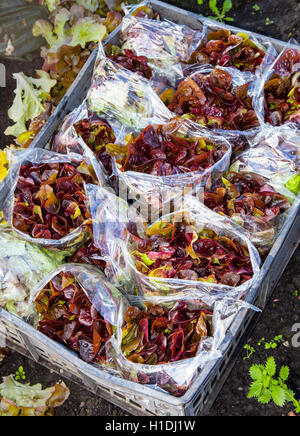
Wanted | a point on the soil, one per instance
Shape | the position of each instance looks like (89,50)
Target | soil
(282,311)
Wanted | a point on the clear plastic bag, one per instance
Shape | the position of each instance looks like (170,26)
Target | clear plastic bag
(78,307)
(109,214)
(164,342)
(277,93)
(121,95)
(217,98)
(227,48)
(161,263)
(164,44)
(22,266)
(265,159)
(37,202)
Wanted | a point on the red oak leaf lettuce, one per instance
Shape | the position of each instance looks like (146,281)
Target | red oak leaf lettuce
(250,197)
(97,134)
(128,60)
(161,153)
(157,335)
(88,254)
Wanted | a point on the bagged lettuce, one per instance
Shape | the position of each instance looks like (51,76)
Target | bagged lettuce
(22,266)
(19,399)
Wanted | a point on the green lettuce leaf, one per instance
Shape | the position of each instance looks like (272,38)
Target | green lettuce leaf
(31,94)
(18,398)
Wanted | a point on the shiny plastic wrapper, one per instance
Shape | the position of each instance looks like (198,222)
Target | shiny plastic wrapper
(217,98)
(164,342)
(190,249)
(47,204)
(227,48)
(260,187)
(266,157)
(22,266)
(166,161)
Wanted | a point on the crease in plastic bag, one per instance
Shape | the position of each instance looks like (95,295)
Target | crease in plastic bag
(84,332)
(164,44)
(121,95)
(221,41)
(40,156)
(215,121)
(22,266)
(284,71)
(122,228)
(16,20)
(134,339)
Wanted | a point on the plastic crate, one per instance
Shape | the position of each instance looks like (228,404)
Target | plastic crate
(132,397)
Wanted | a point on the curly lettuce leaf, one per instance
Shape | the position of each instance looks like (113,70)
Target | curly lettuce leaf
(18,399)
(3,165)
(79,32)
(87,30)
(31,94)
(91,5)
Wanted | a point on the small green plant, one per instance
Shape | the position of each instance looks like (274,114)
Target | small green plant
(272,344)
(249,351)
(220,14)
(256,7)
(269,22)
(20,374)
(265,387)
(296,293)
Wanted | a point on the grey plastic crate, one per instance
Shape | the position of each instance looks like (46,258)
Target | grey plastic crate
(132,397)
